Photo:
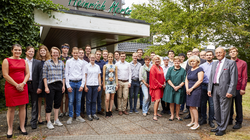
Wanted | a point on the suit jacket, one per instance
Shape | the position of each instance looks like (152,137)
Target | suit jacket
(228,77)
(189,67)
(37,74)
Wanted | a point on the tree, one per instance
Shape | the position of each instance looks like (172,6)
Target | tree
(184,24)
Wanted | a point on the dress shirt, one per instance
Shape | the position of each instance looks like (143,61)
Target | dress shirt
(135,69)
(30,67)
(100,63)
(123,71)
(92,72)
(242,74)
(74,71)
(170,63)
(183,65)
(165,70)
(52,72)
(207,69)
(221,65)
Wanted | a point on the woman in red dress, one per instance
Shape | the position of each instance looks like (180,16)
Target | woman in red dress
(157,84)
(16,73)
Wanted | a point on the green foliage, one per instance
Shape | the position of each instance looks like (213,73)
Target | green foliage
(129,59)
(17,25)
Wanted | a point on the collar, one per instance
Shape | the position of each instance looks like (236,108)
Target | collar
(75,59)
(98,61)
(210,63)
(223,60)
(166,66)
(237,59)
(29,60)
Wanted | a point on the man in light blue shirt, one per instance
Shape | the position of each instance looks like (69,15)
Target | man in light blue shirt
(204,97)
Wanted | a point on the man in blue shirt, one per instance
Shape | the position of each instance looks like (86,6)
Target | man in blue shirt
(100,63)
(204,97)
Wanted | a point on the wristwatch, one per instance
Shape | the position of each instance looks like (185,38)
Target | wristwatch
(24,83)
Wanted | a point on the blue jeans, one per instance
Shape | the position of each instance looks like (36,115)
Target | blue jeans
(91,98)
(146,100)
(204,99)
(99,100)
(133,92)
(75,92)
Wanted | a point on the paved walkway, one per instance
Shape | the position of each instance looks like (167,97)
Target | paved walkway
(132,126)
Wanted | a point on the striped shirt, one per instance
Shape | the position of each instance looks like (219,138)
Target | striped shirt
(52,72)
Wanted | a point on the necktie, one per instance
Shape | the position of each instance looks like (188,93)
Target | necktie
(216,73)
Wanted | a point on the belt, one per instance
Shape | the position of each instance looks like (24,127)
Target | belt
(29,82)
(123,80)
(205,84)
(135,79)
(216,84)
(75,81)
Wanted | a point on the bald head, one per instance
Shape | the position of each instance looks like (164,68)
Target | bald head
(220,53)
(196,52)
(203,54)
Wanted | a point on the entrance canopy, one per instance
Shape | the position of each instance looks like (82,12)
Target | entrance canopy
(79,28)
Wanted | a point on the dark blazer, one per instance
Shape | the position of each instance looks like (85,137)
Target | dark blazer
(228,77)
(189,67)
(37,74)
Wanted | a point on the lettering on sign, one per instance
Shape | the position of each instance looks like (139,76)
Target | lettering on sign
(100,6)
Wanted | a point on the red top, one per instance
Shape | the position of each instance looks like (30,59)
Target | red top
(242,74)
(156,80)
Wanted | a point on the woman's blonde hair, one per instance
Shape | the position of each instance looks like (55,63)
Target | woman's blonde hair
(47,56)
(177,58)
(110,54)
(194,57)
(155,57)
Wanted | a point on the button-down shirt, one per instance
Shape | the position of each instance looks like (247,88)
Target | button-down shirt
(165,69)
(30,67)
(53,72)
(242,74)
(74,71)
(100,63)
(135,69)
(207,69)
(123,71)
(170,63)
(92,72)
(221,65)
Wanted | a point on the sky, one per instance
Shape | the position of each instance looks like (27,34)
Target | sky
(130,2)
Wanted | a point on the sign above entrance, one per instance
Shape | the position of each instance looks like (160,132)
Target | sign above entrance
(100,6)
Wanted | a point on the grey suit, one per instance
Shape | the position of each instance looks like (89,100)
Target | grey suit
(227,84)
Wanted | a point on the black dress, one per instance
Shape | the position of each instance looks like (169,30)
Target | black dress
(194,99)
(42,94)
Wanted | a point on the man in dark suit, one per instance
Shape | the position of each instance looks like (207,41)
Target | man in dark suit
(34,85)
(222,87)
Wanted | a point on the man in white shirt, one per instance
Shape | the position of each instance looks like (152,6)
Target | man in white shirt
(171,58)
(75,80)
(182,58)
(124,82)
(165,109)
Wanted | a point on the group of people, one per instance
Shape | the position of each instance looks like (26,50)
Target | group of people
(176,83)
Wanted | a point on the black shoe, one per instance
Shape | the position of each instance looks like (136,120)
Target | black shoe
(203,122)
(188,116)
(24,133)
(140,106)
(237,126)
(100,113)
(163,112)
(42,123)
(215,130)
(9,136)
(230,123)
(211,124)
(33,126)
(90,118)
(110,114)
(220,133)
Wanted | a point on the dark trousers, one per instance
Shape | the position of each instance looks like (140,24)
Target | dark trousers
(165,107)
(34,105)
(133,93)
(204,99)
(115,100)
(55,96)
(238,105)
(83,102)
(91,98)
(141,97)
(184,102)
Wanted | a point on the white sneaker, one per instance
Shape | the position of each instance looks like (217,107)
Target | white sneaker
(50,125)
(80,119)
(69,121)
(58,123)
